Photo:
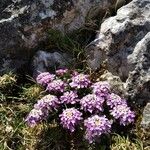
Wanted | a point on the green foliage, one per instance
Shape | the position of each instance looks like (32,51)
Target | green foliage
(31,92)
(75,40)
(3,97)
(123,143)
(73,43)
(52,137)
(11,125)
(58,40)
(7,84)
(7,81)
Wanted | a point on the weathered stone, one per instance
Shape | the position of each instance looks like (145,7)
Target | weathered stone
(24,23)
(123,44)
(146,117)
(48,61)
(118,37)
(138,82)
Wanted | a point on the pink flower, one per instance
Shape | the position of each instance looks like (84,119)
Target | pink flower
(70,118)
(92,103)
(56,86)
(96,126)
(69,98)
(80,81)
(45,78)
(61,72)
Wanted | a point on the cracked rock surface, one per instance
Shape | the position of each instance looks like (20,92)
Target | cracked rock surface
(24,24)
(123,44)
(146,117)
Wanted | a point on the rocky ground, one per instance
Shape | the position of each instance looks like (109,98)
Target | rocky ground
(109,37)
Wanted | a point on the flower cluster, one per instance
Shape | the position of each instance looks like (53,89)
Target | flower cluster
(76,100)
(35,116)
(69,97)
(48,102)
(69,118)
(114,100)
(101,88)
(123,113)
(44,78)
(56,86)
(80,81)
(41,109)
(96,126)
(61,72)
(92,103)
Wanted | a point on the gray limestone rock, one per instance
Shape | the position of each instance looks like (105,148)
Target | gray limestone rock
(146,117)
(138,82)
(24,24)
(49,61)
(123,44)
(118,37)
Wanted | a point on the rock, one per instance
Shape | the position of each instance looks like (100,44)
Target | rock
(138,82)
(48,61)
(24,24)
(117,85)
(146,117)
(118,37)
(123,45)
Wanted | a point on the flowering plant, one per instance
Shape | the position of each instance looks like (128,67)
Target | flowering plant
(78,102)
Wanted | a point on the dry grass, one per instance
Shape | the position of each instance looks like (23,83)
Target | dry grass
(122,143)
(31,92)
(7,81)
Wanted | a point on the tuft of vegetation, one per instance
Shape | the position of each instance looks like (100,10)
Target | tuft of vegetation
(124,143)
(7,84)
(63,42)
(31,92)
(11,127)
(7,81)
(73,43)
